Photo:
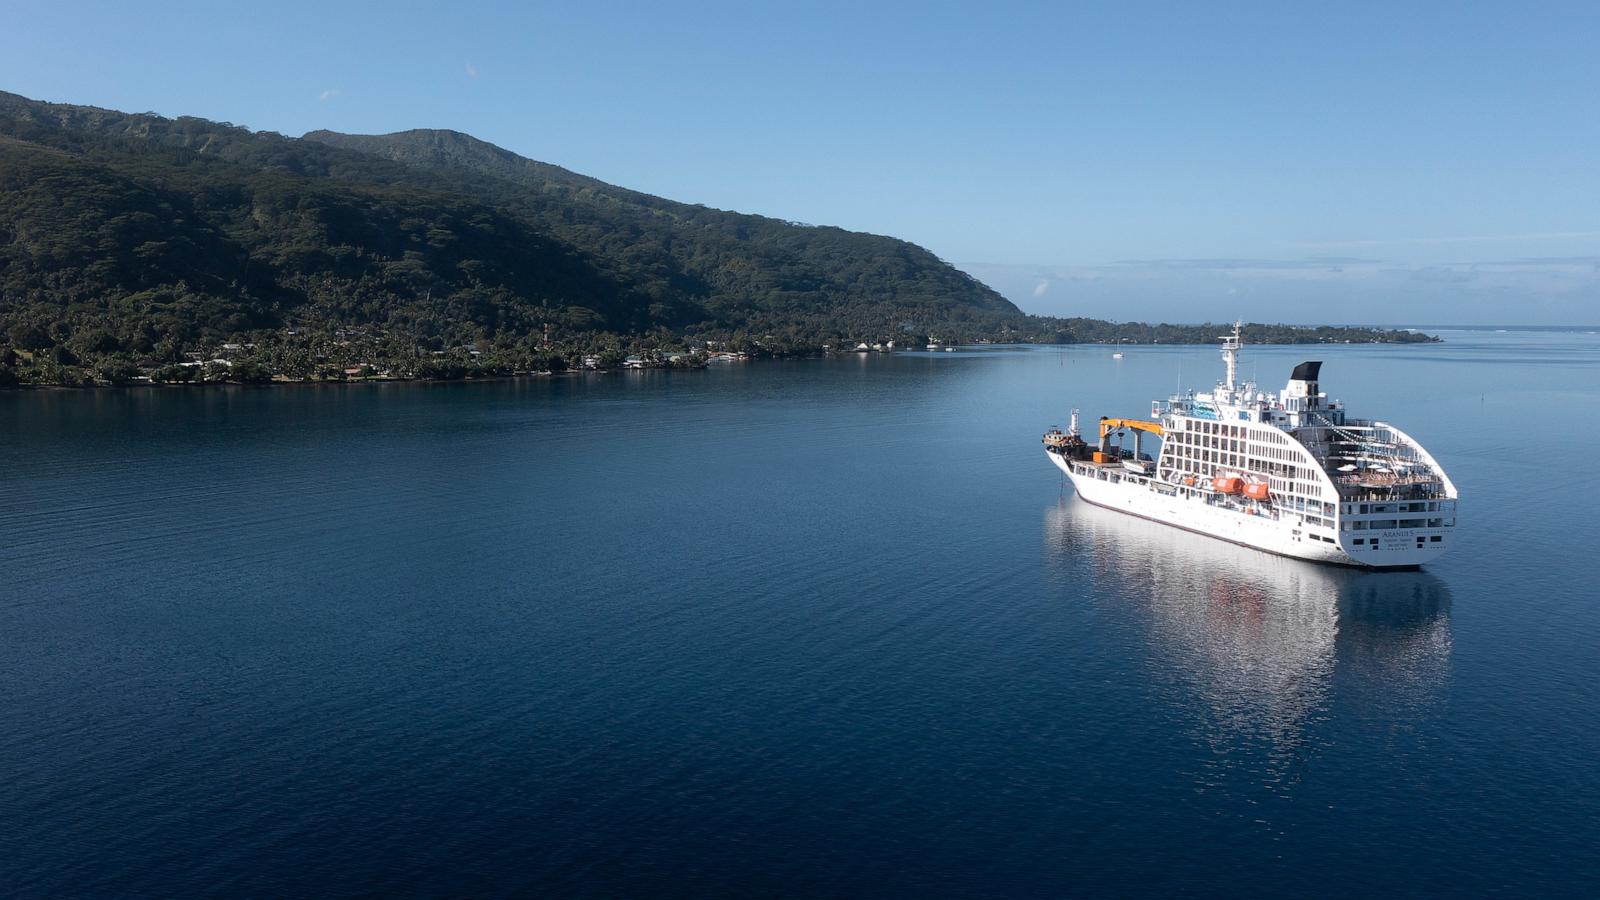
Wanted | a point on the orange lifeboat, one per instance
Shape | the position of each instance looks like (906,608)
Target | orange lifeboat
(1188,480)
(1227,484)
(1257,491)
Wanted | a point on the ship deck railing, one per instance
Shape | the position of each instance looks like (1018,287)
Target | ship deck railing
(1383,479)
(1381,486)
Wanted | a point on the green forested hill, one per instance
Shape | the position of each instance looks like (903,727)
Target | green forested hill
(214,249)
(131,241)
(736,267)
(107,214)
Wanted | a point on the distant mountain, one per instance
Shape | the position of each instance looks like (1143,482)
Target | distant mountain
(178,228)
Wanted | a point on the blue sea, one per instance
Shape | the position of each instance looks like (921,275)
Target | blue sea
(816,628)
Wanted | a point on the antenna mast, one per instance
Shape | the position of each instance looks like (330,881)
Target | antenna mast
(1230,354)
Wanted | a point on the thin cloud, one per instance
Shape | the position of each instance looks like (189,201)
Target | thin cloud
(329,94)
(1313,263)
(1550,261)
(1458,239)
(472,70)
(1040,288)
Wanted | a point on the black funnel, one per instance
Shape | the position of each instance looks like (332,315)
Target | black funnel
(1306,371)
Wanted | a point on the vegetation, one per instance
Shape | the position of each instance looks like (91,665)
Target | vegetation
(134,246)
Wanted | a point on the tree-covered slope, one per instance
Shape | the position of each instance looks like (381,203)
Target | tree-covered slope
(737,266)
(230,230)
(165,232)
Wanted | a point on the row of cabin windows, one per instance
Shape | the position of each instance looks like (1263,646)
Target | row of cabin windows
(1206,454)
(1368,508)
(1206,463)
(1316,507)
(1434,538)
(1223,429)
(1388,524)
(1211,448)
(1229,452)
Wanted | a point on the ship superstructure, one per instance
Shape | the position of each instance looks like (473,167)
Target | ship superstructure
(1287,472)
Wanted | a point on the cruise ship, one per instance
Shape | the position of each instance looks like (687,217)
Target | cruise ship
(1289,473)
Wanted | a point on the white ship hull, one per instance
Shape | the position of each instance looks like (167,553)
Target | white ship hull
(1286,535)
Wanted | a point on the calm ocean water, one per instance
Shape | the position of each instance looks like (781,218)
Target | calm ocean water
(815,628)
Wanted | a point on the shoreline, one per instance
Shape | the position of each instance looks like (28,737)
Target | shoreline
(278,382)
(286,383)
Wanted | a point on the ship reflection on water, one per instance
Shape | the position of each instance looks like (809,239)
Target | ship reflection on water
(1263,647)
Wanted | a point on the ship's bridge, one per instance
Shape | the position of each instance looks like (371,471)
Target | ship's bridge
(1299,404)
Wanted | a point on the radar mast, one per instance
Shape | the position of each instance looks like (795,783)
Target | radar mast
(1230,355)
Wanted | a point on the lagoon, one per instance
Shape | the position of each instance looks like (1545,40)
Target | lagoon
(811,627)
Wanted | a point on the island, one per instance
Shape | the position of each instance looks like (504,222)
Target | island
(138,248)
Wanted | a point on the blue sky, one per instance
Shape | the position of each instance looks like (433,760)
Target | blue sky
(1339,162)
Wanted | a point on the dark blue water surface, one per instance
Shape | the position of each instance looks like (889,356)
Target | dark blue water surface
(813,628)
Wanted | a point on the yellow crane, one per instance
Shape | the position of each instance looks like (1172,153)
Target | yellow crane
(1108,425)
